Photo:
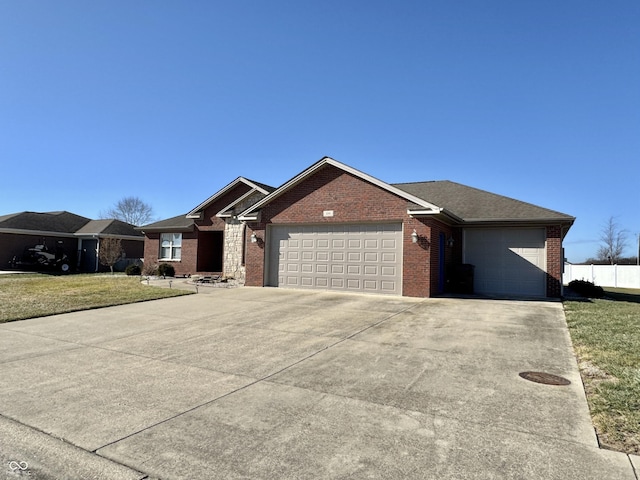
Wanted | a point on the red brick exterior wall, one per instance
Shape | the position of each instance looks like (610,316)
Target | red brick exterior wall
(133,248)
(254,255)
(554,261)
(209,220)
(151,248)
(191,241)
(352,200)
(189,257)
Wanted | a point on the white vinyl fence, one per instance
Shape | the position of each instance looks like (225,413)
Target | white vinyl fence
(622,276)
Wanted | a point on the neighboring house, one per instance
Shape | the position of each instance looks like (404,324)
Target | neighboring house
(91,233)
(208,239)
(334,227)
(78,236)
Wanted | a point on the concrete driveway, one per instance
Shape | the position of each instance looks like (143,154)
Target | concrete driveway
(259,383)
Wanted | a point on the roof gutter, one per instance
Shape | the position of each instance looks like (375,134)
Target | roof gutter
(438,212)
(511,221)
(41,233)
(110,235)
(168,229)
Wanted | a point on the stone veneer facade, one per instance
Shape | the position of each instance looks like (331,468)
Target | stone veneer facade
(232,261)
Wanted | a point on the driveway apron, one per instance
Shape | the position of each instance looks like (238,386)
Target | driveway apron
(262,383)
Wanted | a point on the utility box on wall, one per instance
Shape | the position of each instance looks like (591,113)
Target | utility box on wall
(460,278)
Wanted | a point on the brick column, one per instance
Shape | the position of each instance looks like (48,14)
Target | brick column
(254,256)
(554,261)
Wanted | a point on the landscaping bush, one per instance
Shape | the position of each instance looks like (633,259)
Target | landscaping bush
(586,289)
(166,270)
(133,269)
(149,269)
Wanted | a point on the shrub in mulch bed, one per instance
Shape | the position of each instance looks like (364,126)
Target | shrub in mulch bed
(587,289)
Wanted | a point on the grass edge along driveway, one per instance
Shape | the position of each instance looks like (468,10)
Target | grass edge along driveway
(29,296)
(606,340)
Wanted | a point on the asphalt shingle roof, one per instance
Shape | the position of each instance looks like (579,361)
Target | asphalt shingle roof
(180,222)
(60,222)
(472,204)
(66,222)
(264,186)
(109,227)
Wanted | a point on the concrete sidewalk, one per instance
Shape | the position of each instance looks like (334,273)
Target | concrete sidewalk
(271,383)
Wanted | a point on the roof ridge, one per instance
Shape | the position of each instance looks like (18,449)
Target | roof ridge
(510,198)
(424,181)
(260,184)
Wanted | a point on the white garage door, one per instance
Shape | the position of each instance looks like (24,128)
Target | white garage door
(358,258)
(508,261)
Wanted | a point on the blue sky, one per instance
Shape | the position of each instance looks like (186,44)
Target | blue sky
(170,101)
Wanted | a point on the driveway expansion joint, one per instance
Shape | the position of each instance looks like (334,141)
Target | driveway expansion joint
(633,468)
(250,384)
(71,445)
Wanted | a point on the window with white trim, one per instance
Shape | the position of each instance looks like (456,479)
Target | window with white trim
(170,246)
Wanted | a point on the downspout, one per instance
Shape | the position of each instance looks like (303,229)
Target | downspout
(97,254)
(563,231)
(79,254)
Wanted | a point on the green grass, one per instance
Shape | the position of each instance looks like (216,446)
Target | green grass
(606,338)
(28,296)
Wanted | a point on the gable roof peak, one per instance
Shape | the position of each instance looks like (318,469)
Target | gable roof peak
(260,187)
(251,212)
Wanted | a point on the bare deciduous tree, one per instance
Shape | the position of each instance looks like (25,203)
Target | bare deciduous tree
(131,210)
(110,252)
(614,241)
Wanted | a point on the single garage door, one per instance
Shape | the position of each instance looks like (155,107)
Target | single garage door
(509,261)
(357,258)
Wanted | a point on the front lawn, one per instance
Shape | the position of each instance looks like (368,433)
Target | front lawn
(28,296)
(606,338)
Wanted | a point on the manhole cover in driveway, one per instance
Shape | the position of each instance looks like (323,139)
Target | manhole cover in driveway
(546,378)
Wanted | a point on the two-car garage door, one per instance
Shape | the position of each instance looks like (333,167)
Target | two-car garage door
(357,258)
(368,258)
(508,261)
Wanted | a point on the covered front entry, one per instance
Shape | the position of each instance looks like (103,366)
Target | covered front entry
(210,246)
(508,261)
(357,258)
